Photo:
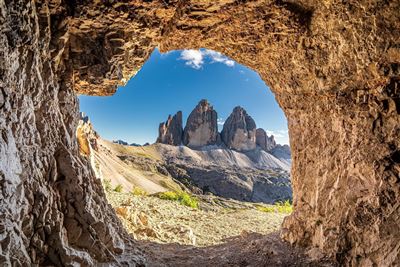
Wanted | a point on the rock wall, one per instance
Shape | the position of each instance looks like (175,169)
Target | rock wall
(334,69)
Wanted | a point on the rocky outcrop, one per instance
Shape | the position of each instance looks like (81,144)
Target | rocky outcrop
(201,127)
(266,142)
(171,131)
(239,132)
(333,67)
(86,135)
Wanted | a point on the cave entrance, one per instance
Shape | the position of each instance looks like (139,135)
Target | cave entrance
(218,167)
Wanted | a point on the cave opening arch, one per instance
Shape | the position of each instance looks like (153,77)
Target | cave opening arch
(253,166)
(332,66)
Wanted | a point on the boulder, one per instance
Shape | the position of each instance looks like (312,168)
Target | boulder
(201,127)
(239,132)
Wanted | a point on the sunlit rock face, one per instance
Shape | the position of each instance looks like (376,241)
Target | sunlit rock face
(171,131)
(239,132)
(201,128)
(334,69)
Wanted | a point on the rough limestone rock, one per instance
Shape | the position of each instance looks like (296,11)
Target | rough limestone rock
(171,131)
(332,65)
(201,128)
(239,132)
(266,142)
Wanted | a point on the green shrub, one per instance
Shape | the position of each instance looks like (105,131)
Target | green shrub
(107,184)
(284,207)
(280,207)
(118,188)
(137,191)
(182,197)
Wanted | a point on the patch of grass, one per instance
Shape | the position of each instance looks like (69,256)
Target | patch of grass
(280,207)
(266,209)
(107,184)
(118,188)
(137,191)
(182,197)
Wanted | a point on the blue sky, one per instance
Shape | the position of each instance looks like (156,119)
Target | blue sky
(178,80)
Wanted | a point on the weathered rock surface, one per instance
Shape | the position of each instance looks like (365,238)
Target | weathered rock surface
(266,142)
(333,66)
(171,131)
(201,128)
(239,131)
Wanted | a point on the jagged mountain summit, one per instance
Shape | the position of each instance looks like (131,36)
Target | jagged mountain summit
(254,175)
(239,132)
(264,141)
(201,127)
(171,132)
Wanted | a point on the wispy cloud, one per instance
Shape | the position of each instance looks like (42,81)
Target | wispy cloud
(277,133)
(197,58)
(220,121)
(193,58)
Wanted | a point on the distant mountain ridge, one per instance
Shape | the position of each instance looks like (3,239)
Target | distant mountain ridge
(239,132)
(234,164)
(122,142)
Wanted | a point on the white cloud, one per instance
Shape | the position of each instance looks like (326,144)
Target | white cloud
(220,121)
(193,58)
(218,57)
(278,133)
(196,58)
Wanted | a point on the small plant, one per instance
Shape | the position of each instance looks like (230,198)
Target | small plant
(180,196)
(107,184)
(280,207)
(265,209)
(118,188)
(284,207)
(137,191)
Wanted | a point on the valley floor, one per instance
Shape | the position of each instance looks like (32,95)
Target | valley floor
(219,233)
(215,220)
(166,221)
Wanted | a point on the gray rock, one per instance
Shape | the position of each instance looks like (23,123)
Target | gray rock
(282,152)
(170,132)
(201,127)
(243,184)
(266,143)
(239,131)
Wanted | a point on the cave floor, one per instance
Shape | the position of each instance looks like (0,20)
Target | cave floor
(250,249)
